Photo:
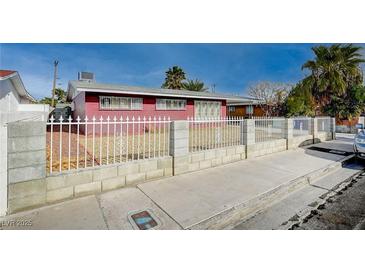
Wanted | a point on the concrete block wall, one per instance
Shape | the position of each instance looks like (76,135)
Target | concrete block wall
(26,146)
(26,151)
(29,187)
(208,158)
(264,148)
(303,140)
(56,188)
(323,136)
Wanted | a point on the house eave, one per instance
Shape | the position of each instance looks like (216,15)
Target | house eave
(126,92)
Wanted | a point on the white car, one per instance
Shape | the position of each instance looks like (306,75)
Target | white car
(359,142)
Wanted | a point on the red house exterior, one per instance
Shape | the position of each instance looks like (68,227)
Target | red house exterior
(91,99)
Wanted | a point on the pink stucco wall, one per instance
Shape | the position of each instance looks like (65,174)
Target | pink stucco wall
(149,109)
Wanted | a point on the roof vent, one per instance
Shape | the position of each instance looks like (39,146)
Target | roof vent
(86,76)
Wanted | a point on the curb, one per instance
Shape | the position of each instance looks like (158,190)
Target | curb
(312,209)
(236,214)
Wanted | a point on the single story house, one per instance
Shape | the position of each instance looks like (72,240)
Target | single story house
(246,109)
(94,99)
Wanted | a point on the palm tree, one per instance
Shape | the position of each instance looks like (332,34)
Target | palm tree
(334,70)
(194,85)
(174,78)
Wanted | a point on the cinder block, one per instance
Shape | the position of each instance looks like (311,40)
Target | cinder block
(128,168)
(220,152)
(135,178)
(197,156)
(28,188)
(181,143)
(168,171)
(164,163)
(205,164)
(87,189)
(194,166)
(210,154)
(231,151)
(154,174)
(181,161)
(181,169)
(59,194)
(26,202)
(178,152)
(30,143)
(113,183)
(180,125)
(236,157)
(148,165)
(28,158)
(227,159)
(104,173)
(22,174)
(55,182)
(216,162)
(78,178)
(240,149)
(27,128)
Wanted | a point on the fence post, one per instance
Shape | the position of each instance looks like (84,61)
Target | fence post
(247,135)
(179,146)
(26,164)
(288,132)
(314,130)
(333,128)
(3,167)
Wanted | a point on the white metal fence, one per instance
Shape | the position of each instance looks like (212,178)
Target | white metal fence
(76,144)
(302,126)
(269,129)
(213,133)
(323,124)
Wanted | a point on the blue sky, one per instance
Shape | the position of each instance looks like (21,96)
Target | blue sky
(231,67)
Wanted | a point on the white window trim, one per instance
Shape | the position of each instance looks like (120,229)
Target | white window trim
(158,106)
(207,102)
(249,109)
(132,107)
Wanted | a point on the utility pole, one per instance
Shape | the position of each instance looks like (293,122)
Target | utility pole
(54,81)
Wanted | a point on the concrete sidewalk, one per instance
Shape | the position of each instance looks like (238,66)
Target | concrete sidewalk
(189,200)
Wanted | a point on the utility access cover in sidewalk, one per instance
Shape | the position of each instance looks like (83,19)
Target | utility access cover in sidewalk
(143,220)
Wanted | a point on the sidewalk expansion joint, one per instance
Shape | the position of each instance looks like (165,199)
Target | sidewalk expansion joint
(160,207)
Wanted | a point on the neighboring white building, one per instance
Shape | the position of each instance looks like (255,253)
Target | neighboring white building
(15,104)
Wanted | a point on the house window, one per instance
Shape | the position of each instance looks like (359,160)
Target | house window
(120,103)
(249,109)
(231,109)
(207,109)
(170,104)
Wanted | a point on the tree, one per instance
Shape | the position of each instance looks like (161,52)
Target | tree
(271,97)
(194,85)
(348,106)
(174,78)
(46,100)
(300,102)
(334,72)
(61,97)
